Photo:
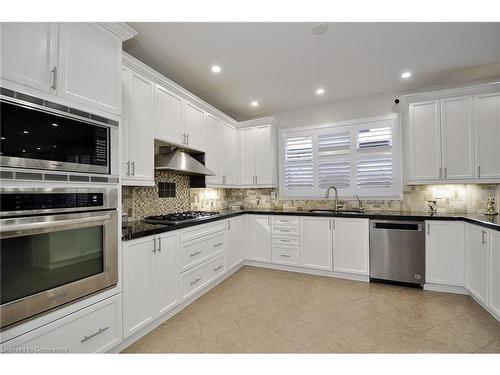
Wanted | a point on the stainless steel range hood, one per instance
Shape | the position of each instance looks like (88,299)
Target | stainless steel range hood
(178,160)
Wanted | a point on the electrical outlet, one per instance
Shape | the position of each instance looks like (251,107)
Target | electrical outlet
(273,195)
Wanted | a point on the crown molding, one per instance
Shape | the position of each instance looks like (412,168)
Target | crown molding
(120,29)
(465,90)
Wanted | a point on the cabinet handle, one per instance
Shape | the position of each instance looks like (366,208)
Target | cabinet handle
(54,78)
(229,224)
(284,230)
(128,168)
(330,224)
(217,268)
(187,139)
(159,244)
(256,180)
(101,330)
(194,282)
(218,244)
(183,138)
(333,223)
(483,239)
(479,171)
(428,229)
(133,168)
(268,221)
(445,172)
(440,172)
(282,240)
(195,254)
(285,255)
(154,245)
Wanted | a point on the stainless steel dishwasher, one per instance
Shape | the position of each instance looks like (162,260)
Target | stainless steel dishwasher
(397,251)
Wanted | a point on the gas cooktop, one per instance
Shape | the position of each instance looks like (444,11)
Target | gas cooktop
(180,217)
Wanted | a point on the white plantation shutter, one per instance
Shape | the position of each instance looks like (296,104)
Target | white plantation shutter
(334,160)
(374,158)
(298,168)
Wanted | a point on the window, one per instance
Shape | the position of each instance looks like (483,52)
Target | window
(359,157)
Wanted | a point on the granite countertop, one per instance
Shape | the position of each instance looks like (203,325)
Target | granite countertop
(138,228)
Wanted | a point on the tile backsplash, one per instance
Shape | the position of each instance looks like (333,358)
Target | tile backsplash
(139,202)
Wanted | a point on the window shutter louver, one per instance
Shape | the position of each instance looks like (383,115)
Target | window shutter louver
(374,158)
(334,163)
(299,173)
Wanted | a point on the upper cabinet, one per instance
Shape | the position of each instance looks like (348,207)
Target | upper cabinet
(258,156)
(455,139)
(194,125)
(76,62)
(487,123)
(213,151)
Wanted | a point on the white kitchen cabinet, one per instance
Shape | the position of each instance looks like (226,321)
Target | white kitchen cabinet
(487,126)
(213,151)
(236,241)
(168,125)
(137,129)
(494,271)
(258,238)
(89,64)
(29,51)
(425,141)
(444,253)
(258,156)
(194,126)
(229,155)
(351,246)
(316,242)
(150,280)
(457,138)
(476,262)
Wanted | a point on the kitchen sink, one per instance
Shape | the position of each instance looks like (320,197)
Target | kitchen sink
(354,211)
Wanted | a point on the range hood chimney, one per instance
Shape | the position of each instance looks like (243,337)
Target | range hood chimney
(178,160)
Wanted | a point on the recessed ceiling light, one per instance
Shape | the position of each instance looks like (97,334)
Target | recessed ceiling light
(320,91)
(320,28)
(54,124)
(216,69)
(3,138)
(406,75)
(255,103)
(25,132)
(38,148)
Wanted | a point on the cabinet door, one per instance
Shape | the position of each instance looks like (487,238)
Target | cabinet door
(264,157)
(444,253)
(487,123)
(168,116)
(494,300)
(236,241)
(89,65)
(458,138)
(259,239)
(230,149)
(165,275)
(476,262)
(247,156)
(425,141)
(194,124)
(28,51)
(350,246)
(316,242)
(213,150)
(137,285)
(140,123)
(124,132)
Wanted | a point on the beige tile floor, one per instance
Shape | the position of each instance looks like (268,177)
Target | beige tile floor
(266,311)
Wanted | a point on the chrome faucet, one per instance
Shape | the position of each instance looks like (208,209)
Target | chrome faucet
(360,205)
(327,195)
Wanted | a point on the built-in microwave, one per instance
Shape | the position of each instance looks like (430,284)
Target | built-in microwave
(57,245)
(38,134)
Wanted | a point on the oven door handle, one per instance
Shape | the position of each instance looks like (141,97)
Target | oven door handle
(52,224)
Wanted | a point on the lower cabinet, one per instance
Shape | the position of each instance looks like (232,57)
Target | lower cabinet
(235,241)
(351,246)
(476,260)
(494,295)
(316,242)
(444,253)
(94,329)
(202,275)
(258,238)
(149,280)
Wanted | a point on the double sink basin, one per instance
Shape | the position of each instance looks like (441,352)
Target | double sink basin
(353,211)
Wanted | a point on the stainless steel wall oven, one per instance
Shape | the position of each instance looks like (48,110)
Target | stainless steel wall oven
(57,245)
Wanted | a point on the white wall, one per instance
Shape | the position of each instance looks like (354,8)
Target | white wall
(348,109)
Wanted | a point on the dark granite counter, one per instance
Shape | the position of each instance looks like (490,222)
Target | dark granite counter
(138,229)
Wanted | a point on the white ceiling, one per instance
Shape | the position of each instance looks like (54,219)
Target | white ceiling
(282,64)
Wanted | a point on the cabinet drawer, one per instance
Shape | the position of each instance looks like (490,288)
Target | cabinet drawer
(285,230)
(285,240)
(285,220)
(197,251)
(95,329)
(285,255)
(201,276)
(202,230)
